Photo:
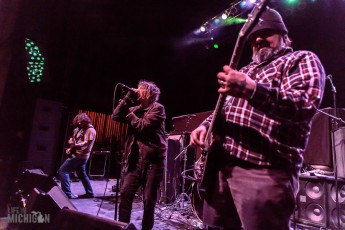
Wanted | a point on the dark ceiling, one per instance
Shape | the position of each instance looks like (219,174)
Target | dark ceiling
(91,45)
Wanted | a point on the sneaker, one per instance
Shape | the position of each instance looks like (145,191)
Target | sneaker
(85,196)
(73,196)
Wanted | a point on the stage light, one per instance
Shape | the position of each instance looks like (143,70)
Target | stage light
(215,45)
(203,28)
(243,4)
(231,21)
(291,2)
(225,15)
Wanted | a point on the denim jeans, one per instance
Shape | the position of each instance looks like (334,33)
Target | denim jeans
(70,165)
(145,174)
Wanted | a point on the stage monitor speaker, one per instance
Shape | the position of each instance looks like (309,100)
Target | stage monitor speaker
(34,178)
(46,207)
(311,202)
(336,204)
(51,202)
(71,219)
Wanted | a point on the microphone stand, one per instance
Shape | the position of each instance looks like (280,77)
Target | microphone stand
(335,126)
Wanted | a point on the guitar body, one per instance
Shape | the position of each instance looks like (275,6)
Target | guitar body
(70,152)
(213,160)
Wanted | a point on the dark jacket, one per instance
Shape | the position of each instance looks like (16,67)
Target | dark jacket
(146,133)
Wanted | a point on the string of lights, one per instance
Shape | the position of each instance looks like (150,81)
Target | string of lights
(236,14)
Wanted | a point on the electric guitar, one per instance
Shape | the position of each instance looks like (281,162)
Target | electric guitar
(79,134)
(213,143)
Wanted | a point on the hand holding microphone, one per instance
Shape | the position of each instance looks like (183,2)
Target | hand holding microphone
(131,95)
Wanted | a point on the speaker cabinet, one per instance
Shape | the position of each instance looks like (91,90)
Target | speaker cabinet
(336,204)
(71,219)
(311,202)
(320,202)
(319,148)
(44,136)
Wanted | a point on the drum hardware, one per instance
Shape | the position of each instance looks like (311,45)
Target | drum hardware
(183,197)
(197,197)
(182,208)
(182,202)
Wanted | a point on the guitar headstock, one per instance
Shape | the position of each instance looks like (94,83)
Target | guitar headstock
(253,17)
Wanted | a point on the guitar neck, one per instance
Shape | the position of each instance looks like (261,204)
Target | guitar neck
(240,42)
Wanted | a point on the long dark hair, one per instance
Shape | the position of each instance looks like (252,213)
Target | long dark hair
(152,91)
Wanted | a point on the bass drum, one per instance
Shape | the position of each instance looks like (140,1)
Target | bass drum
(197,202)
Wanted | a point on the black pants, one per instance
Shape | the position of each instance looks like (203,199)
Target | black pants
(145,174)
(251,198)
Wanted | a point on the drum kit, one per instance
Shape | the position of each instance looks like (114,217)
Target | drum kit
(187,171)
(189,166)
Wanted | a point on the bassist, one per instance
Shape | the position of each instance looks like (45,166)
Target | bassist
(265,123)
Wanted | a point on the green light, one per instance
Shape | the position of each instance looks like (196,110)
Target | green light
(231,21)
(216,46)
(35,61)
(291,2)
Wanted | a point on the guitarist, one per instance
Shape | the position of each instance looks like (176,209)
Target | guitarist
(82,142)
(265,125)
(145,149)
(70,152)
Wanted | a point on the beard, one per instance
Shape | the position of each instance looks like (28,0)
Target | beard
(263,54)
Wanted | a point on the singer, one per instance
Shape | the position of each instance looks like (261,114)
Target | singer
(262,128)
(144,151)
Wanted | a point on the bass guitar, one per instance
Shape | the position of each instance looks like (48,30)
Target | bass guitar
(213,142)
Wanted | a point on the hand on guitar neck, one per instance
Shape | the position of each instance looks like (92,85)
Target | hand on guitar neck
(235,83)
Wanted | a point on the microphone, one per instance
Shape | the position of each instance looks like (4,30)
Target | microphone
(128,88)
(329,77)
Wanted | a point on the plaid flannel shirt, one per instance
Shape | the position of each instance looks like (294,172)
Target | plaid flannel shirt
(275,123)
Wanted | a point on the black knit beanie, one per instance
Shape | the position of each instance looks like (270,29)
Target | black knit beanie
(270,19)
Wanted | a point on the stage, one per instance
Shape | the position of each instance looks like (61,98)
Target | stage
(103,205)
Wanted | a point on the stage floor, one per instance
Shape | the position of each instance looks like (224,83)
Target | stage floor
(167,216)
